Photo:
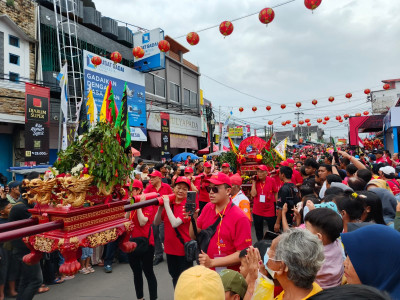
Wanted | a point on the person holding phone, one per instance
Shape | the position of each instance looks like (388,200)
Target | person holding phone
(176,228)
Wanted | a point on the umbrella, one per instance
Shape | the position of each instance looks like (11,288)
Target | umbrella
(182,156)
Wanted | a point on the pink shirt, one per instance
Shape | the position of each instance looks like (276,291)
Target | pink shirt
(331,272)
(234,232)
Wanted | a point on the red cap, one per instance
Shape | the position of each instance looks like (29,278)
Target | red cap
(284,163)
(290,161)
(303,156)
(207,165)
(183,179)
(156,174)
(219,179)
(137,184)
(226,165)
(262,167)
(236,179)
(188,170)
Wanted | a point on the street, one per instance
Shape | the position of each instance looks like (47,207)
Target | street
(115,285)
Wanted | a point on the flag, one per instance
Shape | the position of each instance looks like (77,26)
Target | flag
(92,109)
(112,108)
(232,145)
(104,105)
(268,144)
(109,111)
(280,149)
(63,79)
(122,122)
(83,125)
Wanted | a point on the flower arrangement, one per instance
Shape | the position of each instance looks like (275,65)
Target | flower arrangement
(370,144)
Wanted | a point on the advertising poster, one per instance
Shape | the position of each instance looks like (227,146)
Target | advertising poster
(98,78)
(153,58)
(165,135)
(37,120)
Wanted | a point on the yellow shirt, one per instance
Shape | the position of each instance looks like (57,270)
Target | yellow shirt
(315,290)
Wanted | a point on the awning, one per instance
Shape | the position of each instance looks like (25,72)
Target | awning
(177,140)
(7,118)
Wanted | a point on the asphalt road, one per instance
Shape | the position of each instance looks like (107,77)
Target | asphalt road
(116,285)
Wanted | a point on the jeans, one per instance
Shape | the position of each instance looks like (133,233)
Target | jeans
(176,265)
(143,263)
(110,250)
(31,279)
(158,231)
(259,225)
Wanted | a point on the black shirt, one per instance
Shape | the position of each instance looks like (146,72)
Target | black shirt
(19,212)
(288,194)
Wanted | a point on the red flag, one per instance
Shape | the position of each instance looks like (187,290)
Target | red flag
(268,145)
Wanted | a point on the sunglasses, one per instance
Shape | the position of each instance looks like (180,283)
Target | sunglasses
(214,189)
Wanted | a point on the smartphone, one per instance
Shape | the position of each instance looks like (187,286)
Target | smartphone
(190,205)
(336,156)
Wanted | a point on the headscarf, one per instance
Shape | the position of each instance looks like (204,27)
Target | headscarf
(374,253)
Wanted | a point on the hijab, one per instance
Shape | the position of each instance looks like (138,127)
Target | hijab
(374,253)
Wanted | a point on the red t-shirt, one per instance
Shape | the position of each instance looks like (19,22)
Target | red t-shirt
(164,189)
(297,178)
(268,189)
(172,245)
(143,231)
(394,186)
(278,181)
(234,233)
(380,160)
(201,184)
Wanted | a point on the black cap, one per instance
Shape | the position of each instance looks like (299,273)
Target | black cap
(3,203)
(14,184)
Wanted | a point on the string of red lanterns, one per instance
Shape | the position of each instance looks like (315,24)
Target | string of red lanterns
(96,60)
(226,28)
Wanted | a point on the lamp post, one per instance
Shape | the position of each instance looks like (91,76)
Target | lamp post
(212,123)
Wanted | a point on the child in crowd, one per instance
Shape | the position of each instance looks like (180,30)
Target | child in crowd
(327,225)
(85,261)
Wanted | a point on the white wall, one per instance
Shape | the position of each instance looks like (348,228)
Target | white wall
(22,51)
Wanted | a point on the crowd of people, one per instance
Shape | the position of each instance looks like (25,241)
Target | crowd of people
(331,230)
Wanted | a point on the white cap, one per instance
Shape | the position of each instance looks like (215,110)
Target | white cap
(387,170)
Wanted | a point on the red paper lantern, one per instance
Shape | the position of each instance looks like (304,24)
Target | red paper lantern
(358,115)
(240,109)
(254,109)
(326,118)
(96,60)
(386,86)
(367,91)
(164,46)
(266,15)
(226,28)
(283,123)
(338,118)
(294,125)
(116,57)
(346,116)
(315,102)
(331,99)
(366,113)
(340,121)
(307,120)
(270,123)
(288,122)
(312,4)
(301,122)
(138,52)
(268,108)
(283,106)
(349,95)
(298,104)
(193,38)
(308,124)
(319,120)
(324,123)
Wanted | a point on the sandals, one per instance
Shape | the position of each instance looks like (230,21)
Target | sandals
(43,289)
(58,280)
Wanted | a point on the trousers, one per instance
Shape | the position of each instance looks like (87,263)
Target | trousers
(158,232)
(259,225)
(176,265)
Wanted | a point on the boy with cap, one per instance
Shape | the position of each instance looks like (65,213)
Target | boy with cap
(235,285)
(233,232)
(14,193)
(264,192)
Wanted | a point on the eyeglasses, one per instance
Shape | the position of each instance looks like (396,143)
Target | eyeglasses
(214,189)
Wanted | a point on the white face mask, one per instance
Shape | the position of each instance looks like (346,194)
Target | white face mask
(266,258)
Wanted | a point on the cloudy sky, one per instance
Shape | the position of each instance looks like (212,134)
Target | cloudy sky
(344,46)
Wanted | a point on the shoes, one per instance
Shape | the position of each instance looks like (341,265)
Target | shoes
(84,271)
(108,269)
(90,269)
(158,260)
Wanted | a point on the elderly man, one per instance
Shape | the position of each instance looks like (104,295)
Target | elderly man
(238,197)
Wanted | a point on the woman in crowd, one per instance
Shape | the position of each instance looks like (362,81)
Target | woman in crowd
(142,261)
(373,258)
(372,208)
(176,229)
(294,259)
(144,169)
(388,202)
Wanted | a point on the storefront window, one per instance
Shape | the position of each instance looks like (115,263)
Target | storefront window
(174,92)
(159,84)
(186,97)
(149,83)
(193,99)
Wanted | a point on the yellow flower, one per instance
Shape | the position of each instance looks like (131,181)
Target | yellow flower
(354,195)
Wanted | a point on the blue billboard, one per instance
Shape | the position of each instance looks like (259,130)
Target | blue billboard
(153,58)
(98,79)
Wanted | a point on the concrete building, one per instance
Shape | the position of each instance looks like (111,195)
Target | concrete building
(307,134)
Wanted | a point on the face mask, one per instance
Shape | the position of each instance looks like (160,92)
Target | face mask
(271,272)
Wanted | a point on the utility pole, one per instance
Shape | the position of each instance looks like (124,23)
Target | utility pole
(220,128)
(265,132)
(299,127)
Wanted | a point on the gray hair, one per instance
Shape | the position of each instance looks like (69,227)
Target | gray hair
(303,254)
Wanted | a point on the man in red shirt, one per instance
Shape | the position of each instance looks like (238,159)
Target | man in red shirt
(388,174)
(264,193)
(201,185)
(379,157)
(233,232)
(297,179)
(188,173)
(226,169)
(157,186)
